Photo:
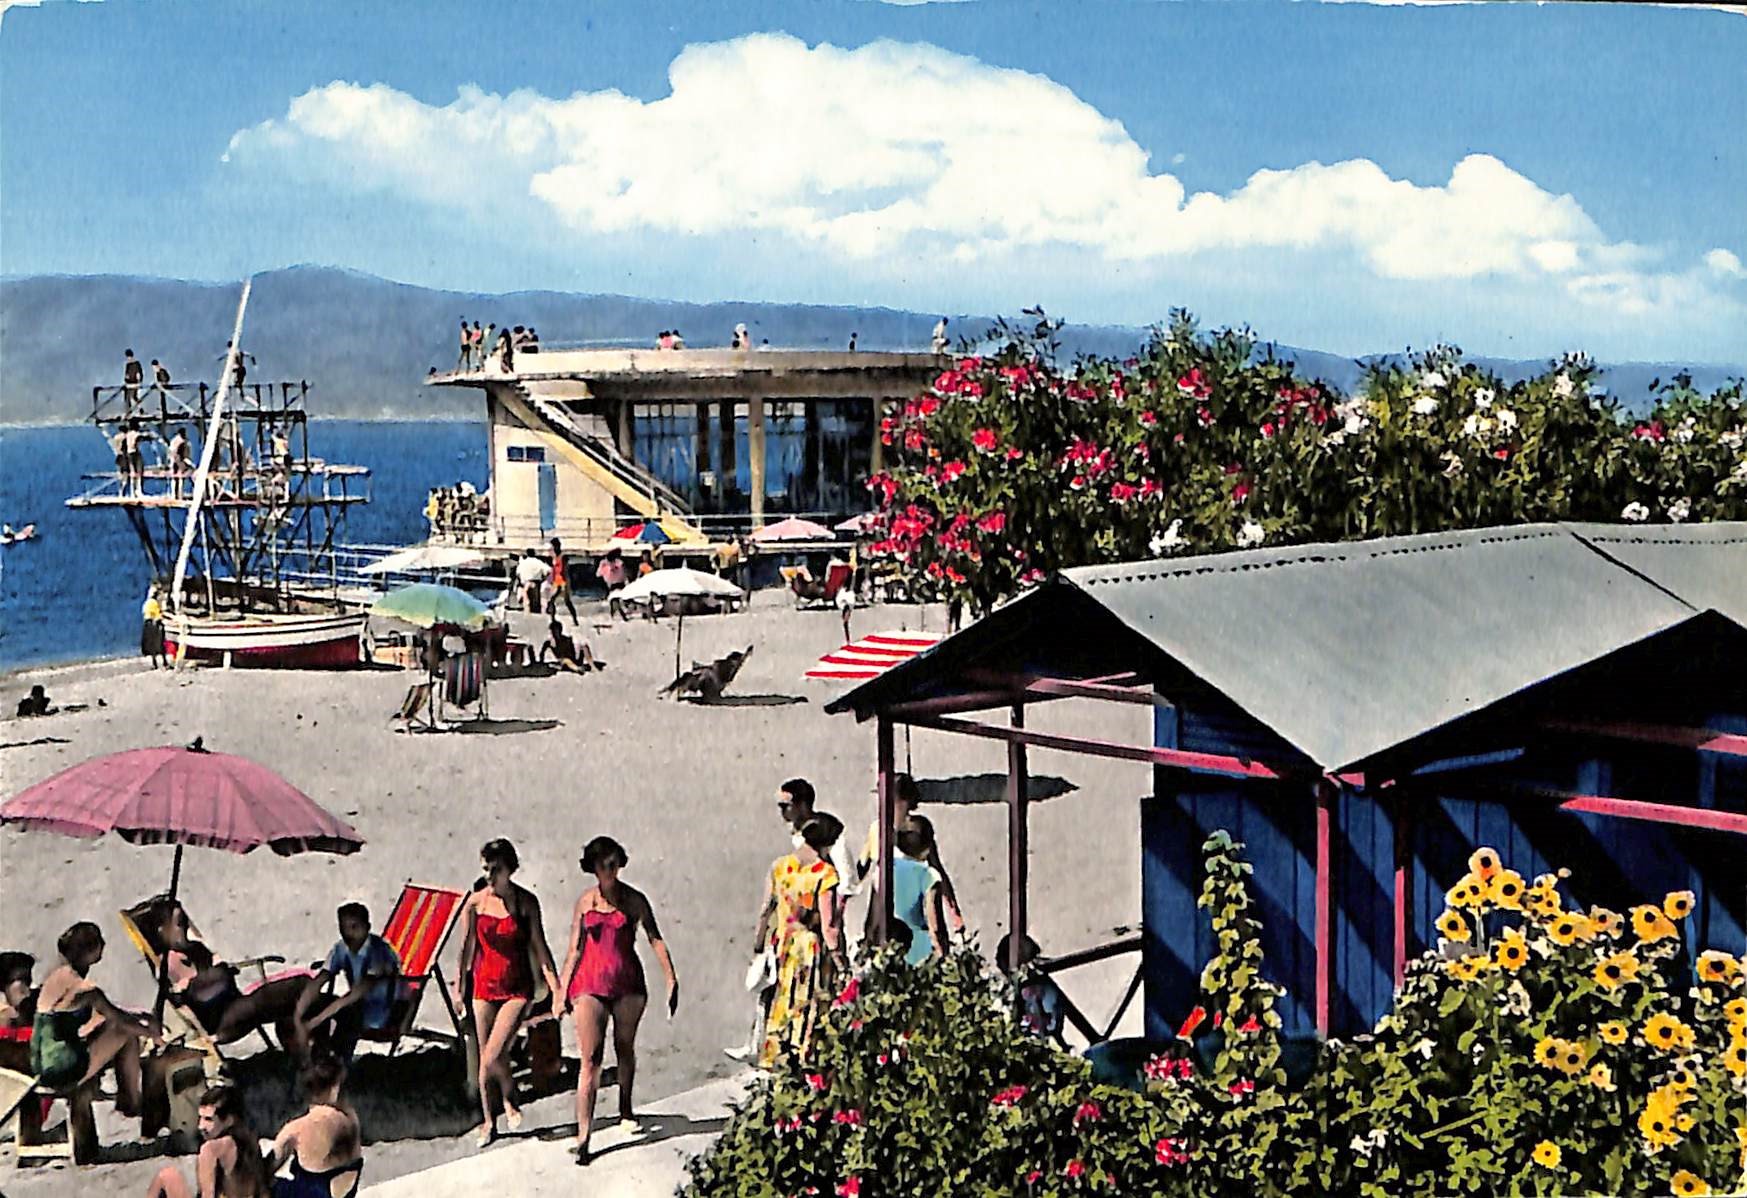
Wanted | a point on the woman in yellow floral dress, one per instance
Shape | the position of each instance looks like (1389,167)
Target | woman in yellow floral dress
(803,922)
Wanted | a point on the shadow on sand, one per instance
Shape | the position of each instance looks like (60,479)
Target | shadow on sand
(41,740)
(988,788)
(752,701)
(657,1128)
(490,727)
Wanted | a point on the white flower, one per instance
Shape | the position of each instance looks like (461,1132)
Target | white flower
(1425,1048)
(1251,534)
(1740,470)
(1353,416)
(1679,510)
(1731,439)
(1431,380)
(1355,424)
(1335,439)
(1452,465)
(1516,999)
(1635,512)
(1483,398)
(1361,1145)
(1683,432)
(1506,420)
(1425,405)
(1172,538)
(1562,385)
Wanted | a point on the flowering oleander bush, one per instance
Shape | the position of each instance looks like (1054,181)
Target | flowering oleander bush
(1538,1050)
(1010,466)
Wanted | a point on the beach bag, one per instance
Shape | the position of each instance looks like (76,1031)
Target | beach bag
(761,974)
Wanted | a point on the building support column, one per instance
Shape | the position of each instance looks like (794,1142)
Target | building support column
(627,443)
(1018,839)
(700,451)
(877,462)
(726,467)
(755,455)
(887,788)
(1403,829)
(1325,803)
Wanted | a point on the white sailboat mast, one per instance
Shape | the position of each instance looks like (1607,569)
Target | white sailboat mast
(208,448)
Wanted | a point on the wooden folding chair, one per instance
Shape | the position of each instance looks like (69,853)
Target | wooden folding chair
(417,708)
(22,1104)
(417,930)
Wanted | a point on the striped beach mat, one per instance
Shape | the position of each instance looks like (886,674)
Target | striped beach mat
(463,679)
(873,655)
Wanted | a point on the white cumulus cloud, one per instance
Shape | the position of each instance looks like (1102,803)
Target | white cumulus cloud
(893,149)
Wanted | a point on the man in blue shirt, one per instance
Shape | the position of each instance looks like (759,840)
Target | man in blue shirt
(372,973)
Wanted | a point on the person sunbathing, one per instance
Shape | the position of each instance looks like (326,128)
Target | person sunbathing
(563,651)
(208,988)
(323,1145)
(230,1164)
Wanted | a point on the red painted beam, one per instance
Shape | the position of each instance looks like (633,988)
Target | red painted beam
(1069,688)
(1402,813)
(1238,767)
(1708,818)
(1705,740)
(1325,954)
(1018,837)
(888,802)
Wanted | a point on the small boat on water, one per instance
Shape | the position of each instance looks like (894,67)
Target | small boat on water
(12,536)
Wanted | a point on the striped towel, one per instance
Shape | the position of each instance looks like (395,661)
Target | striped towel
(463,679)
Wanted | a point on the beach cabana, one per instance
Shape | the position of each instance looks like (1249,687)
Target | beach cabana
(1363,715)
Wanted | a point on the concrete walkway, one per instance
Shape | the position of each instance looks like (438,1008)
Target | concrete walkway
(651,1165)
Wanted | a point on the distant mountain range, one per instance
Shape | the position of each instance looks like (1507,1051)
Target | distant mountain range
(365,343)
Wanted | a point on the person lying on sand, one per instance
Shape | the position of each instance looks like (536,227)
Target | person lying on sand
(35,703)
(323,1145)
(563,651)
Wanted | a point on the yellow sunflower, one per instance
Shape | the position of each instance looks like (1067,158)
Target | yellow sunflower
(1547,1052)
(1605,922)
(1651,924)
(1614,1032)
(1451,926)
(1714,966)
(1735,1011)
(1602,1078)
(1469,892)
(1573,1057)
(1615,971)
(1547,1154)
(1667,1034)
(1512,952)
(1657,1122)
(1568,929)
(1679,1080)
(1543,897)
(1688,1183)
(1466,969)
(1505,889)
(1484,863)
(1741,1139)
(1735,1057)
(1677,904)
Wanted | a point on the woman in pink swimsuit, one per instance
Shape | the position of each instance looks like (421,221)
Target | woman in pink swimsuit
(605,980)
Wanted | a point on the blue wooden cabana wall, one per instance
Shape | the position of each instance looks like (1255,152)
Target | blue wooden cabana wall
(1615,862)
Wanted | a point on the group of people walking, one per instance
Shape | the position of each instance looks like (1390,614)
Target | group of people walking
(482,344)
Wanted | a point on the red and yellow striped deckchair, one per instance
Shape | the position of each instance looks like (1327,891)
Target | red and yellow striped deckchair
(417,930)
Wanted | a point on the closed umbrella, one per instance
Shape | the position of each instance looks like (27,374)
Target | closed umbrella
(181,796)
(427,604)
(678,582)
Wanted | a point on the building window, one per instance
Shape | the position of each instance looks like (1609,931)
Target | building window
(527,453)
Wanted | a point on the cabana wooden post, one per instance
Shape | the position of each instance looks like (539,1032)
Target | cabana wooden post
(1362,716)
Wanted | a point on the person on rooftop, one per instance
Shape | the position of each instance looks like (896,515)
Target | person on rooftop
(160,375)
(132,375)
(939,339)
(179,457)
(852,338)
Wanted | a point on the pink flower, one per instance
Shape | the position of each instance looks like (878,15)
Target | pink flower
(1195,383)
(816,1083)
(1150,489)
(850,1188)
(1015,453)
(1008,1097)
(1502,453)
(984,439)
(1122,492)
(1653,431)
(951,471)
(1088,1112)
(926,406)
(1149,417)
(1242,1088)
(1170,1151)
(1204,416)
(1240,493)
(1031,1177)
(1250,1025)
(994,522)
(933,568)
(1075,1169)
(848,994)
(1267,429)
(849,1118)
(1078,482)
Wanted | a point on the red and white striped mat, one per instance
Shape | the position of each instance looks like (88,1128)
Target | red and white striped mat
(873,655)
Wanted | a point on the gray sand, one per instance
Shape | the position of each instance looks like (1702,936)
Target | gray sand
(689,790)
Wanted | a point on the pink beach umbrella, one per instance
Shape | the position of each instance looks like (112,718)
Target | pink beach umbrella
(181,796)
(792,529)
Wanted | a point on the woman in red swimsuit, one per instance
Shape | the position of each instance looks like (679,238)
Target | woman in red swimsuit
(605,981)
(503,939)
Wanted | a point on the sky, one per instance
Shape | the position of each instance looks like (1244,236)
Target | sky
(1520,180)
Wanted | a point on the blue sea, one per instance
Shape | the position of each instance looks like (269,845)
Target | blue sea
(74,592)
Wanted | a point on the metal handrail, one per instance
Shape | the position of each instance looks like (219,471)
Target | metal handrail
(1051,966)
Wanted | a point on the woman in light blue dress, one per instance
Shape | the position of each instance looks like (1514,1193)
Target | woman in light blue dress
(916,890)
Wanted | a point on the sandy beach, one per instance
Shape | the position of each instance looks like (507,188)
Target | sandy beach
(688,789)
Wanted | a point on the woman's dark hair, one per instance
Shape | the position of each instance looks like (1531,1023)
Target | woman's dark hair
(500,852)
(905,788)
(322,1074)
(226,1101)
(822,831)
(601,850)
(16,967)
(799,791)
(79,941)
(915,837)
(1004,953)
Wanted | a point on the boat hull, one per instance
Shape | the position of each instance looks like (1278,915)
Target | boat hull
(328,641)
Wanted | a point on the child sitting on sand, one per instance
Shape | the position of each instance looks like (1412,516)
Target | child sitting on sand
(323,1145)
(563,651)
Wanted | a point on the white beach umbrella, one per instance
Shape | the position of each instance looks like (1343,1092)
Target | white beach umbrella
(792,529)
(679,581)
(426,557)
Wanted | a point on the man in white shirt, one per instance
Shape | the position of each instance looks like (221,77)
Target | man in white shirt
(532,573)
(940,336)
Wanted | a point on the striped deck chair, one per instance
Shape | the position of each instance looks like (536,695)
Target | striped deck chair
(464,682)
(417,929)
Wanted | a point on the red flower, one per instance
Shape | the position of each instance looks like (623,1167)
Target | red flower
(1088,1112)
(1250,1025)
(970,364)
(1149,418)
(1170,1151)
(993,522)
(1240,493)
(1502,453)
(1242,1088)
(1204,416)
(1122,492)
(1015,453)
(951,471)
(1150,489)
(850,1188)
(1075,1169)
(1194,1020)
(1652,431)
(954,576)
(1078,482)
(1195,383)
(816,1082)
(984,439)
(914,440)
(1218,1018)
(1031,1177)
(1267,429)
(1008,1097)
(849,1118)
(849,993)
